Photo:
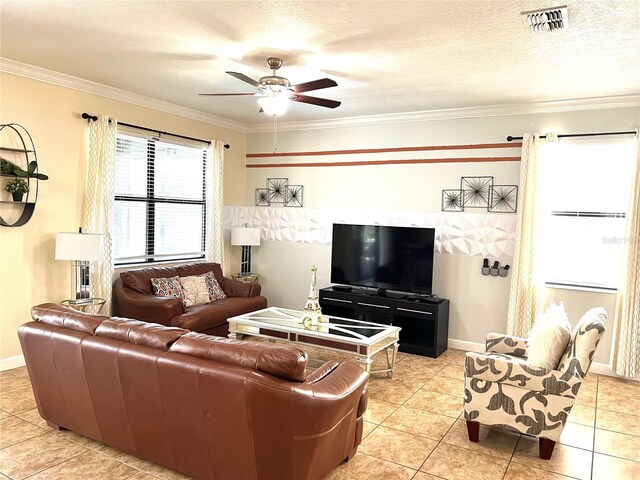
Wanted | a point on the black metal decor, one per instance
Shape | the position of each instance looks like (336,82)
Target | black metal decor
(294,196)
(480,192)
(476,191)
(452,200)
(262,197)
(279,191)
(504,198)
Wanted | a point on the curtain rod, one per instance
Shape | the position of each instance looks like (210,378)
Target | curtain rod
(90,117)
(569,135)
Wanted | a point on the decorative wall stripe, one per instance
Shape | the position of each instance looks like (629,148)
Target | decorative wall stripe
(387,162)
(385,150)
(484,235)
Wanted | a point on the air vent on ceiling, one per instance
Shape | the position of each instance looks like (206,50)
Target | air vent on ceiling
(546,20)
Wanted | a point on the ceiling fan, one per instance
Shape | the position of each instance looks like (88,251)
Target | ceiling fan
(276,93)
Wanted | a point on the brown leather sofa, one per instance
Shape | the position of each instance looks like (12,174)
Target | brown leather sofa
(210,407)
(134,298)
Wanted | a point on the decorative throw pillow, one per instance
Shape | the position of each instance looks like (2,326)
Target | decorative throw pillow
(214,288)
(195,290)
(549,337)
(167,287)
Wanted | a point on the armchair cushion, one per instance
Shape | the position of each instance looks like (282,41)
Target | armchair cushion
(549,337)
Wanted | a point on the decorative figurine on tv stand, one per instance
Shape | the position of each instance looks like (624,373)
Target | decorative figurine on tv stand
(311,317)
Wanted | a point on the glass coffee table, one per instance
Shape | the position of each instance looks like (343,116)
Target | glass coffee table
(356,337)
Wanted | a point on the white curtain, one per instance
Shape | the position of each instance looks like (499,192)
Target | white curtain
(626,343)
(527,277)
(98,211)
(214,249)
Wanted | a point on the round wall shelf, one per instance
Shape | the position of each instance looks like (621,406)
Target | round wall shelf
(16,146)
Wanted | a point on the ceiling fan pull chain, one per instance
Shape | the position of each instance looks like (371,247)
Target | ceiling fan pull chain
(275,134)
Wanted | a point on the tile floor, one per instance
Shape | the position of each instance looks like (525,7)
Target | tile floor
(413,430)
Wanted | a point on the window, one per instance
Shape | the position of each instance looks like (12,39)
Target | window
(586,189)
(159,200)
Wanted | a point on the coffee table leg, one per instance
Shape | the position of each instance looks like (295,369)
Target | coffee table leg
(392,353)
(365,362)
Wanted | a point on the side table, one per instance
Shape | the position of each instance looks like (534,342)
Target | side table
(246,277)
(96,303)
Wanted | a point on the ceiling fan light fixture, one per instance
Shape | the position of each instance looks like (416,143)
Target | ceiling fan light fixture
(275,104)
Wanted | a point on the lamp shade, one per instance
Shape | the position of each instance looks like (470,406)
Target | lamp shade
(78,246)
(245,236)
(274,104)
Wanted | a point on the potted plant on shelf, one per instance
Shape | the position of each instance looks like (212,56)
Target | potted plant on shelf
(17,188)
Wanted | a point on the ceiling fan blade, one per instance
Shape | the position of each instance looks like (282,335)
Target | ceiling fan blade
(315,85)
(223,94)
(244,78)
(322,102)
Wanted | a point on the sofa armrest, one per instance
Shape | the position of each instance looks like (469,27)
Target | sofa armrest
(236,288)
(506,345)
(515,371)
(149,308)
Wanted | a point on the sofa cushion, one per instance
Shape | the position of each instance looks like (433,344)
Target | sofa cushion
(167,287)
(213,287)
(195,290)
(65,317)
(140,280)
(284,361)
(139,333)
(211,315)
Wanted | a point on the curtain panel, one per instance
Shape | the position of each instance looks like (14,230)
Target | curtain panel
(98,208)
(626,342)
(214,248)
(527,276)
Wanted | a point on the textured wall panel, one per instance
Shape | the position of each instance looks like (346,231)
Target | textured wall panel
(480,234)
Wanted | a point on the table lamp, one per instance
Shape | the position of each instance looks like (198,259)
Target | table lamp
(245,237)
(80,248)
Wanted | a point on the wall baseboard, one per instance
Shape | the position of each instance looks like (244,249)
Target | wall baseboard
(11,362)
(466,346)
(599,368)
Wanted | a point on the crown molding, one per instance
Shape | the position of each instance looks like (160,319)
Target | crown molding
(61,79)
(56,78)
(594,103)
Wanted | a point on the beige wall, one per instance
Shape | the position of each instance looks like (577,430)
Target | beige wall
(478,303)
(51,114)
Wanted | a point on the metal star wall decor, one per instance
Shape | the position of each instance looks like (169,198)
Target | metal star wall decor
(279,191)
(262,197)
(480,192)
(476,191)
(452,200)
(294,196)
(504,198)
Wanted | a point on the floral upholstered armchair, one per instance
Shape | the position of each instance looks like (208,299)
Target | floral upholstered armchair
(501,389)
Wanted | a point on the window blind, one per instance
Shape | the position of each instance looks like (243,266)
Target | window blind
(587,187)
(159,200)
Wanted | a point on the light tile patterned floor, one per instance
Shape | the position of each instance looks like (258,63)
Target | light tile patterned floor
(413,430)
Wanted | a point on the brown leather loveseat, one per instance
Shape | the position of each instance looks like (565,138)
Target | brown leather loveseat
(210,407)
(134,298)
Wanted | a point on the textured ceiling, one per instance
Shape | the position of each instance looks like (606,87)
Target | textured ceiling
(387,57)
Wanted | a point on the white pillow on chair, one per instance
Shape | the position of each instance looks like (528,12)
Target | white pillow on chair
(549,337)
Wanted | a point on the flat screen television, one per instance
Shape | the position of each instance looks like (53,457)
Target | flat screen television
(386,258)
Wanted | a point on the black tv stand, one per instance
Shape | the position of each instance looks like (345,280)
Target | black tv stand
(424,320)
